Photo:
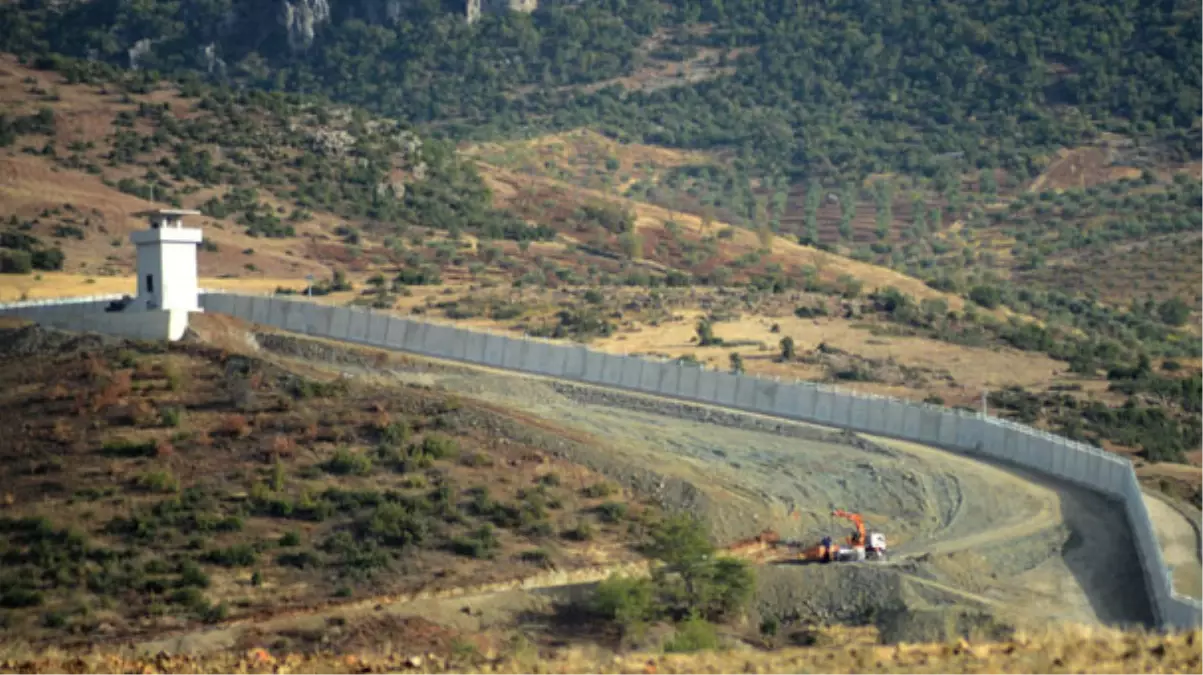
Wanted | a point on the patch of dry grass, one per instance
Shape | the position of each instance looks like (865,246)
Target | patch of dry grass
(1063,649)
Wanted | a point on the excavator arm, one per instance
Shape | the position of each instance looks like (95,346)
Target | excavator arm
(857,520)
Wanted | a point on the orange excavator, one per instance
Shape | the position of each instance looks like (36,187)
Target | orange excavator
(767,547)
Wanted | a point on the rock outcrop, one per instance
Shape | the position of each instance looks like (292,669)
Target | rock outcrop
(301,18)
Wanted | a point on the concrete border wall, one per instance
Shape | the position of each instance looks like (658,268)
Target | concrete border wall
(954,430)
(88,315)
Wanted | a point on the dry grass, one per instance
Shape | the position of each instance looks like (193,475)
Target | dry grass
(1064,649)
(94,420)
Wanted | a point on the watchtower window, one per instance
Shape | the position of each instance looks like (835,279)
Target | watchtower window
(150,283)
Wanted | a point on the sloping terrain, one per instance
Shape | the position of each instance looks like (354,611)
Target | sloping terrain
(149,490)
(970,540)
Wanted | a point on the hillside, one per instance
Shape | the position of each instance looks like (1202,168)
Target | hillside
(156,490)
(958,202)
(326,190)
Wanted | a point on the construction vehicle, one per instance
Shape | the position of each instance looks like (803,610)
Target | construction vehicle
(768,547)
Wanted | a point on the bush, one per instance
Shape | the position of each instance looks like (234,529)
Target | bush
(481,543)
(395,433)
(1174,311)
(478,459)
(290,538)
(986,296)
(18,598)
(393,524)
(536,556)
(15,262)
(612,512)
(583,531)
(344,462)
(599,490)
(706,335)
(127,448)
(159,481)
(627,601)
(171,417)
(693,635)
(787,349)
(238,555)
(439,446)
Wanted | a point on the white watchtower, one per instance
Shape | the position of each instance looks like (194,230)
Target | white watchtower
(167,262)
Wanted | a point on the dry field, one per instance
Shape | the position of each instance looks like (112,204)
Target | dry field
(1066,649)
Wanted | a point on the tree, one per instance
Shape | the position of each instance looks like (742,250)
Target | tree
(737,363)
(15,262)
(706,336)
(787,348)
(810,215)
(627,601)
(1174,311)
(883,193)
(693,581)
(986,296)
(765,234)
(632,245)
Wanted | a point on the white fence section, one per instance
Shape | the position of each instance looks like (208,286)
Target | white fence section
(955,430)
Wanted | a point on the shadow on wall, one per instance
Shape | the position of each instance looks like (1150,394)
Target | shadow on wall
(1103,558)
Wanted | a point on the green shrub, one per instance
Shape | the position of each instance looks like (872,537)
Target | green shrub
(599,490)
(159,481)
(536,556)
(238,555)
(986,296)
(175,377)
(392,524)
(440,446)
(482,543)
(583,531)
(192,576)
(15,262)
(215,613)
(171,416)
(290,538)
(345,462)
(18,598)
(612,512)
(692,635)
(127,448)
(478,459)
(395,434)
(1174,312)
(625,600)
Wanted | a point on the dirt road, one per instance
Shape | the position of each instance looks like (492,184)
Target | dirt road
(1017,541)
(1180,544)
(967,537)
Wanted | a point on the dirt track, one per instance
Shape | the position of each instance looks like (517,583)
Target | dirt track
(973,543)
(978,533)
